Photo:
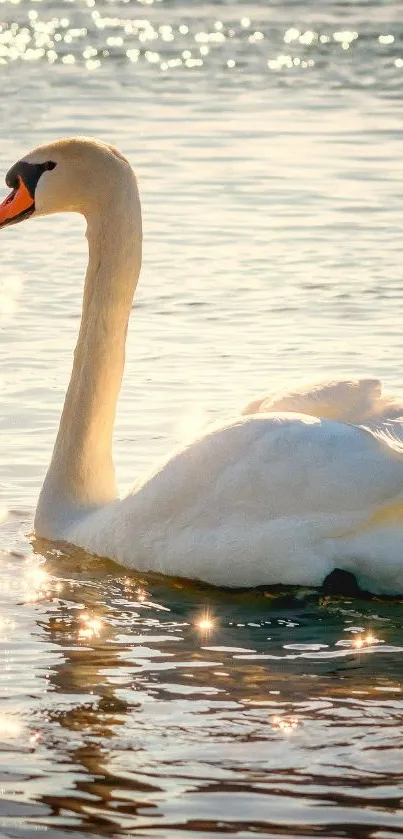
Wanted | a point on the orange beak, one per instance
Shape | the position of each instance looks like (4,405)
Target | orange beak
(17,206)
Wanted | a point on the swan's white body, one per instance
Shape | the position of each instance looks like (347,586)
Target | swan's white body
(266,499)
(272,499)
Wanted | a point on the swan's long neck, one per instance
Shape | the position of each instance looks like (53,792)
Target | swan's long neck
(81,473)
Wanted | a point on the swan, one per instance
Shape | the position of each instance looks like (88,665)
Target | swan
(265,498)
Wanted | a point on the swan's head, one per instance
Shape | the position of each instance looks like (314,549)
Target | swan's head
(73,175)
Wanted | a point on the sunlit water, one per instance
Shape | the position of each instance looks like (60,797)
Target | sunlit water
(267,139)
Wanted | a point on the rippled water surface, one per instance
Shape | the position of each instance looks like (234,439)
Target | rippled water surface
(267,138)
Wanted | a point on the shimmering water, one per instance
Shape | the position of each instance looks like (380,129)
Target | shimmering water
(267,138)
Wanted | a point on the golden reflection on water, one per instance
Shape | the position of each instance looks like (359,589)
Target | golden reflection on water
(365,640)
(205,623)
(37,583)
(13,727)
(92,627)
(285,724)
(370,638)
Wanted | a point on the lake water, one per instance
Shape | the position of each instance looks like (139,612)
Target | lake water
(268,142)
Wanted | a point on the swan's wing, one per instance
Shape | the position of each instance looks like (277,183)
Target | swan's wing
(388,432)
(355,400)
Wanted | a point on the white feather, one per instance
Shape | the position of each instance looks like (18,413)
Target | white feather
(353,400)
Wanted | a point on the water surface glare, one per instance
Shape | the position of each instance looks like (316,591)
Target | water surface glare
(267,138)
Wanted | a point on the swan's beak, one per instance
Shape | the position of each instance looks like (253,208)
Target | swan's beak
(17,206)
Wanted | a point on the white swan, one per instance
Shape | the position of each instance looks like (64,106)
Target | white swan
(264,499)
